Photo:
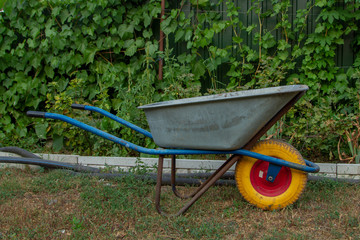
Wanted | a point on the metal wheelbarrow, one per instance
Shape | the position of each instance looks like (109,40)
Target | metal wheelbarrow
(269,174)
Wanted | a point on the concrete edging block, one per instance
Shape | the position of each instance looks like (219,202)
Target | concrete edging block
(89,160)
(348,169)
(329,168)
(198,164)
(5,154)
(129,161)
(346,176)
(59,157)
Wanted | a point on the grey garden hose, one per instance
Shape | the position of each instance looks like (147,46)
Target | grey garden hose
(19,151)
(32,159)
(181,179)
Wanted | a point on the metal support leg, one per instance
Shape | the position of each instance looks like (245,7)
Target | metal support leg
(173,181)
(199,192)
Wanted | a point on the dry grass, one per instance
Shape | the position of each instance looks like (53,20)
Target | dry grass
(57,205)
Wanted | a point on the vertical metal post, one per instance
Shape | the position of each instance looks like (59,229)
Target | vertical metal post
(161,40)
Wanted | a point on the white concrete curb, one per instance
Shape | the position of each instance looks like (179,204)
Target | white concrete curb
(340,170)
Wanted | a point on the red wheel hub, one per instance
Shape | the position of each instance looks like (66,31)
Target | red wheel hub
(270,189)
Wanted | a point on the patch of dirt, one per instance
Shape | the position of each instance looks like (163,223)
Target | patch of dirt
(41,210)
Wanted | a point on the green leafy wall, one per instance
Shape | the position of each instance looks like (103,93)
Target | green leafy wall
(105,53)
(54,53)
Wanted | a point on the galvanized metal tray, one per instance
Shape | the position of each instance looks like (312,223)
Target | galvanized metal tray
(216,122)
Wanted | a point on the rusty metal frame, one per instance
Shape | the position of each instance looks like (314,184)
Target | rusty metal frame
(200,190)
(217,174)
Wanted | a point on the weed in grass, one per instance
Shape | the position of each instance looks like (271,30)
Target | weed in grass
(353,141)
(79,228)
(141,168)
(76,224)
(229,212)
(108,169)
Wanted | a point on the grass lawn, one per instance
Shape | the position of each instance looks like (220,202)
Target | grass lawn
(59,205)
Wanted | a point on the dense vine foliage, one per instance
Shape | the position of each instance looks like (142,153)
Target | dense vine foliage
(105,53)
(55,53)
(285,52)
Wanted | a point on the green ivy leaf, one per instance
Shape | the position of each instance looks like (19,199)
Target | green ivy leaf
(40,129)
(58,142)
(147,33)
(250,28)
(152,48)
(125,29)
(209,33)
(188,35)
(179,34)
(199,2)
(147,20)
(283,55)
(89,55)
(319,28)
(131,50)
(49,71)
(199,68)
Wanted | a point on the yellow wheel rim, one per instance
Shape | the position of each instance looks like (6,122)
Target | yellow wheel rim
(250,176)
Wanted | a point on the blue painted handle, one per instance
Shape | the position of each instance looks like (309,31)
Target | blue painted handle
(113,117)
(309,167)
